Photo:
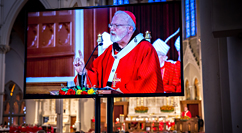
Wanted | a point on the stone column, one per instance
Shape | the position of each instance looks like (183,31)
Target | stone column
(78,122)
(67,115)
(59,112)
(40,111)
(36,119)
(216,65)
(192,96)
(3,50)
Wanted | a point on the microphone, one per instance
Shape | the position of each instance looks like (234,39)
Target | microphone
(82,81)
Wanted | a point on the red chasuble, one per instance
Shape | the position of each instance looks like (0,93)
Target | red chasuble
(137,72)
(167,72)
(187,113)
(177,76)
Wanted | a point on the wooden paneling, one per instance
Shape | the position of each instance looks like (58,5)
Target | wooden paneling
(73,121)
(194,109)
(162,20)
(117,110)
(50,66)
(43,88)
(123,106)
(95,22)
(50,44)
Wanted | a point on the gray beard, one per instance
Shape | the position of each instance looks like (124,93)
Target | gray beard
(116,38)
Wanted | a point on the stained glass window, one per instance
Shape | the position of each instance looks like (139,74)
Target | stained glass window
(14,108)
(156,1)
(190,18)
(120,2)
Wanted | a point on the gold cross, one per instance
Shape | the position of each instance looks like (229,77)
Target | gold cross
(115,79)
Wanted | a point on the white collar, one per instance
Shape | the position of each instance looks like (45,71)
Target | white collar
(132,44)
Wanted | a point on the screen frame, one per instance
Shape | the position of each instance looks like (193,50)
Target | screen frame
(48,96)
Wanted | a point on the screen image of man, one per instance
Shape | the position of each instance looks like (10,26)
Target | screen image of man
(129,65)
(167,67)
(177,68)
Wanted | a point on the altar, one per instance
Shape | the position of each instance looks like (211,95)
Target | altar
(154,105)
(146,114)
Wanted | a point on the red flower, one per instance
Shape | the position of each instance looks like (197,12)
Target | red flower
(84,93)
(71,92)
(61,92)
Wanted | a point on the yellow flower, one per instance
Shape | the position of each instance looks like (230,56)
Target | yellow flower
(78,92)
(141,109)
(167,108)
(91,91)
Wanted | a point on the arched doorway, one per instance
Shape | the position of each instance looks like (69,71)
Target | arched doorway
(14,108)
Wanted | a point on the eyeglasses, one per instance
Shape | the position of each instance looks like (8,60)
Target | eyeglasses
(116,25)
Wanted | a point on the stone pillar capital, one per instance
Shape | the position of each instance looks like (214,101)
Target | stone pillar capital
(4,48)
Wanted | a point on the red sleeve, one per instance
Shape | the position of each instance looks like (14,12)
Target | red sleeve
(98,70)
(168,77)
(189,114)
(94,74)
(182,114)
(149,75)
(76,80)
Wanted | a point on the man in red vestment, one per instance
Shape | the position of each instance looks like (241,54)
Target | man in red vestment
(168,125)
(167,67)
(129,65)
(177,68)
(186,112)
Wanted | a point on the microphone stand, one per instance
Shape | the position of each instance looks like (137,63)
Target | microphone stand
(100,43)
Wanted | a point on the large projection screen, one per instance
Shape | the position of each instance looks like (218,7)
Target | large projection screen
(149,66)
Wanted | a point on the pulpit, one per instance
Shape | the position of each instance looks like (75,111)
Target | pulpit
(186,125)
(194,106)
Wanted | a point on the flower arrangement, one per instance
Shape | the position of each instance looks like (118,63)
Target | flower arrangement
(141,109)
(184,118)
(77,90)
(167,108)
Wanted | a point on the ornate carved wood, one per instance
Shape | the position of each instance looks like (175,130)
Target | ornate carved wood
(185,126)
(50,44)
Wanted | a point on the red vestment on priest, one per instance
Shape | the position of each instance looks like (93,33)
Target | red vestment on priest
(187,113)
(177,76)
(167,72)
(137,72)
(171,75)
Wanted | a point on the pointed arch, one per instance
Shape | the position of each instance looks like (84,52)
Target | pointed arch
(188,58)
(13,104)
(10,19)
(46,4)
(80,3)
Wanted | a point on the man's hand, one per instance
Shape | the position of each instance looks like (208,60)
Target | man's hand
(79,63)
